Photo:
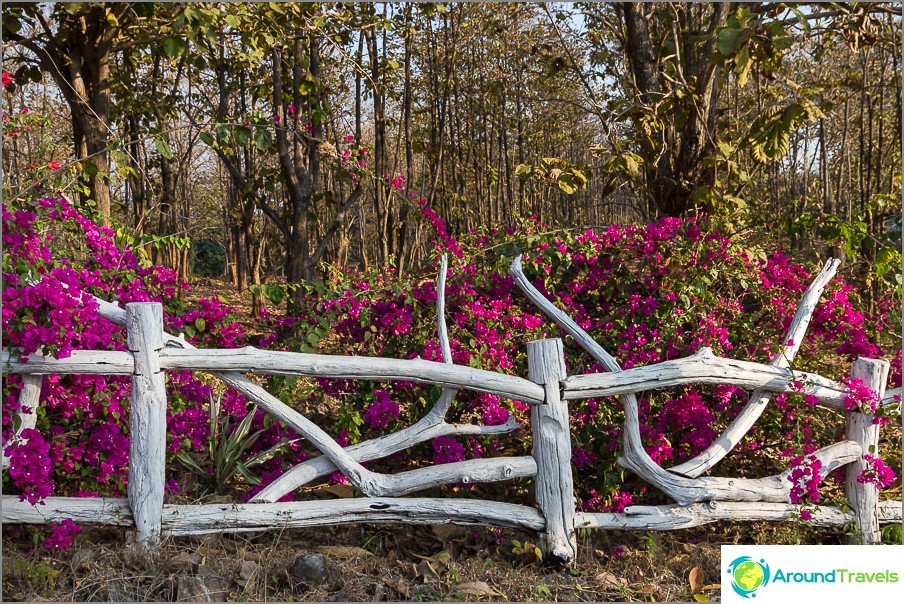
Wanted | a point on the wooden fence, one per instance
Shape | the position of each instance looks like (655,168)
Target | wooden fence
(548,388)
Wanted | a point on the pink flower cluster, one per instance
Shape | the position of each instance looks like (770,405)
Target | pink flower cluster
(382,410)
(447,450)
(860,396)
(876,472)
(62,534)
(805,479)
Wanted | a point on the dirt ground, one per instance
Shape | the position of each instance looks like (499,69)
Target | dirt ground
(373,563)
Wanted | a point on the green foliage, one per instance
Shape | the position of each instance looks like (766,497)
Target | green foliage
(208,258)
(770,134)
(227,447)
(569,178)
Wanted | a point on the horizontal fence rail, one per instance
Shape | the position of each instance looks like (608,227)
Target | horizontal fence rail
(699,499)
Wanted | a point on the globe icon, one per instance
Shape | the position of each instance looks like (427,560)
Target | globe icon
(749,575)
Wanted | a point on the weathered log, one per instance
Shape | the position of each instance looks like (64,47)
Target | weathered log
(252,360)
(864,497)
(742,423)
(552,451)
(470,471)
(774,489)
(673,517)
(147,421)
(180,520)
(81,362)
(82,510)
(425,429)
(702,368)
(116,512)
(29,398)
(683,490)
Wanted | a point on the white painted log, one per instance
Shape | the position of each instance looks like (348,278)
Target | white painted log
(181,520)
(177,518)
(467,472)
(252,360)
(683,490)
(81,362)
(864,497)
(674,517)
(82,510)
(147,421)
(560,318)
(892,399)
(751,412)
(554,485)
(427,428)
(369,483)
(702,368)
(29,398)
(775,488)
(430,426)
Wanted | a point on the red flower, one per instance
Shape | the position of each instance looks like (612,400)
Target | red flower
(7,79)
(54,165)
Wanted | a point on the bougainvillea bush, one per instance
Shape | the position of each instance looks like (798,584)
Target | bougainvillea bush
(647,293)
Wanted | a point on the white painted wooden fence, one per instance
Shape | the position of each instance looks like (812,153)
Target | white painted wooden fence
(699,500)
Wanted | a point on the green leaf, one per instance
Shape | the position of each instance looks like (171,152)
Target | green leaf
(242,135)
(206,138)
(173,47)
(523,171)
(730,40)
(742,66)
(90,168)
(200,323)
(162,148)
(275,293)
(262,139)
(801,18)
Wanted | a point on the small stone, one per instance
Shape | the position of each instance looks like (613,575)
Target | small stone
(206,586)
(310,568)
(247,570)
(191,589)
(83,557)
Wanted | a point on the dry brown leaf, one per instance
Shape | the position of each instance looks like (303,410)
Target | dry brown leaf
(400,585)
(341,551)
(448,531)
(478,588)
(339,490)
(711,587)
(695,578)
(424,569)
(609,581)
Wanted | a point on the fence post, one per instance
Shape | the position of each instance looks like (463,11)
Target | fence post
(147,422)
(864,498)
(552,450)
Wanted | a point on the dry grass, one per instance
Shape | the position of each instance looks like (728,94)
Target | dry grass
(381,563)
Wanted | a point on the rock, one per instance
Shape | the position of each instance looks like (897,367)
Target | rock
(248,569)
(341,597)
(83,557)
(205,586)
(313,570)
(118,591)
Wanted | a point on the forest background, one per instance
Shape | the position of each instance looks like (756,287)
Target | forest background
(307,163)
